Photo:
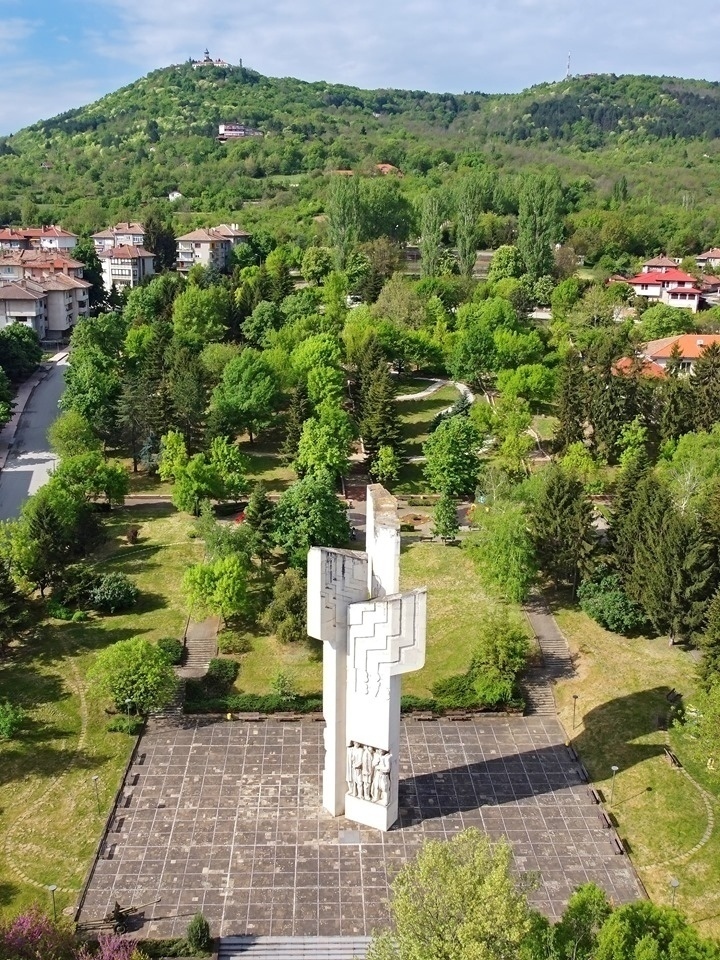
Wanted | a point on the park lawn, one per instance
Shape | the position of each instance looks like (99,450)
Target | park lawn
(456,600)
(407,384)
(49,820)
(144,483)
(544,426)
(417,415)
(621,685)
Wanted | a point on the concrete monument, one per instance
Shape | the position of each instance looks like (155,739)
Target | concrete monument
(372,634)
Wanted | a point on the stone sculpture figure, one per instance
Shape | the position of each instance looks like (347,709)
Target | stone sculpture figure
(372,634)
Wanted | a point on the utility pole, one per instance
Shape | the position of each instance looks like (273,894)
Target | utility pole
(567,75)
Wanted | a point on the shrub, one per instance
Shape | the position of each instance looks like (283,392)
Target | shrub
(58,611)
(501,653)
(34,934)
(124,724)
(132,534)
(221,674)
(283,686)
(455,692)
(604,599)
(11,719)
(173,649)
(198,934)
(137,671)
(78,583)
(115,591)
(232,643)
(80,616)
(286,614)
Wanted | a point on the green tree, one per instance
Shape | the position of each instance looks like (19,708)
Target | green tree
(539,223)
(265,318)
(706,387)
(445,518)
(468,206)
(84,251)
(575,934)
(92,477)
(456,899)
(325,443)
(246,398)
(343,213)
(644,931)
(219,587)
(309,514)
(92,388)
(137,671)
(503,549)
(298,413)
(188,395)
(20,351)
(286,614)
(379,419)
(130,421)
(232,468)
(198,480)
(709,642)
(431,222)
(317,263)
(201,315)
(452,463)
(6,398)
(260,520)
(507,262)
(385,468)
(71,434)
(173,456)
(561,525)
(13,610)
(160,240)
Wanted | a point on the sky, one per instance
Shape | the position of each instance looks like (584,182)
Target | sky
(59,54)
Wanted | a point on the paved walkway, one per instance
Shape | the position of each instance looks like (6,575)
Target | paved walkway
(201,645)
(435,385)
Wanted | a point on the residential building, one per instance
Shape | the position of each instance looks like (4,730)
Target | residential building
(51,305)
(125,266)
(689,346)
(710,260)
(659,265)
(21,303)
(235,131)
(667,285)
(121,235)
(36,264)
(37,238)
(174,195)
(209,246)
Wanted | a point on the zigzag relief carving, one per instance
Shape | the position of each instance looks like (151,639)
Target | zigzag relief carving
(385,640)
(343,578)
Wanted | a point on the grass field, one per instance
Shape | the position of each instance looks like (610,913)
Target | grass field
(666,819)
(50,820)
(456,600)
(416,417)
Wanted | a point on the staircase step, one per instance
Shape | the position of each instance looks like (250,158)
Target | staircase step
(293,948)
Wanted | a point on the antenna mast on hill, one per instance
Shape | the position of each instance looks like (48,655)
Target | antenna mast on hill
(567,75)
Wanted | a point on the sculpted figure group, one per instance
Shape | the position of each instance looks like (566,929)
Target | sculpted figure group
(368,773)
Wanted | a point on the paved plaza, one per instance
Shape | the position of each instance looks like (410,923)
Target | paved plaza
(225,817)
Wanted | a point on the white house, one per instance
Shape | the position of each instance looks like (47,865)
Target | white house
(20,302)
(209,246)
(37,238)
(670,285)
(125,266)
(659,265)
(121,235)
(689,346)
(709,260)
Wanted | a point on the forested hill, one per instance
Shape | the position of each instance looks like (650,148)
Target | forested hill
(158,134)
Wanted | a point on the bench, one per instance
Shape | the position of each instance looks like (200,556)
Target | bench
(671,758)
(594,795)
(571,751)
(605,819)
(618,847)
(585,776)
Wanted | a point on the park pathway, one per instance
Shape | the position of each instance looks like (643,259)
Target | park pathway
(201,646)
(556,659)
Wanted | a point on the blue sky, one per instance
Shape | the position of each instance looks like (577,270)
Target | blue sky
(58,54)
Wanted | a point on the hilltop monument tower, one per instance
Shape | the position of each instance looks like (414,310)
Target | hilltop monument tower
(372,634)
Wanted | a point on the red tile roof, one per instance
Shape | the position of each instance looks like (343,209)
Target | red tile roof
(627,366)
(126,252)
(712,254)
(34,233)
(690,345)
(661,261)
(670,276)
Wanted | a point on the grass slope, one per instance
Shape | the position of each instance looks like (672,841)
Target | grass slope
(49,819)
(668,822)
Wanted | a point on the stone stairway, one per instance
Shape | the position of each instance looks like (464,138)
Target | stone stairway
(556,659)
(173,711)
(293,948)
(200,647)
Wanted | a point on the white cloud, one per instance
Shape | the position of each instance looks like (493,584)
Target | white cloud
(14,30)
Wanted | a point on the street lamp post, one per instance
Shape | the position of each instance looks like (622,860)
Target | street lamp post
(128,704)
(52,888)
(575,699)
(614,769)
(97,792)
(674,884)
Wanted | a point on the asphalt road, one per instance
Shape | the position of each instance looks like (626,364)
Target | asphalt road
(30,460)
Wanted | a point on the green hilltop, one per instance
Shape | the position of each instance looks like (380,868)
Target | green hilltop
(134,146)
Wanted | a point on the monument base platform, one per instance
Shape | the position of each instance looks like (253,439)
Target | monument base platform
(370,814)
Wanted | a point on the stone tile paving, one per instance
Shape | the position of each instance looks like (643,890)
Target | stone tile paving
(226,818)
